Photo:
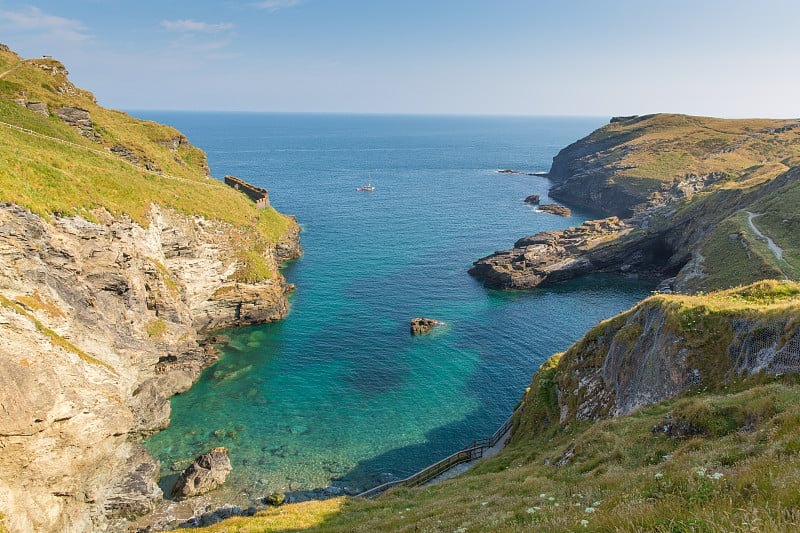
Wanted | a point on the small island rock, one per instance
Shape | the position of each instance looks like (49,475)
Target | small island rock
(206,473)
(556,209)
(422,325)
(532,199)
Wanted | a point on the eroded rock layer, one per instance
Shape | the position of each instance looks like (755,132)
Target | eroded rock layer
(102,321)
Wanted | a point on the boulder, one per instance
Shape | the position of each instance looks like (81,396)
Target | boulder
(38,107)
(206,473)
(276,498)
(422,325)
(556,209)
(532,199)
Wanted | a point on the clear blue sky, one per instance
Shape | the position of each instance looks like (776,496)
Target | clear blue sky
(730,58)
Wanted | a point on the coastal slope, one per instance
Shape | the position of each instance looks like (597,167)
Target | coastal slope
(681,413)
(119,257)
(687,189)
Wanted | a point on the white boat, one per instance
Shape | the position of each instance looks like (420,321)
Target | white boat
(368,186)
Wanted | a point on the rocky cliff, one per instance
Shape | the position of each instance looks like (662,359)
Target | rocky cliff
(640,162)
(102,322)
(663,346)
(692,232)
(119,257)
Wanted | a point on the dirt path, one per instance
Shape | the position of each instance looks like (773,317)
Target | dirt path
(777,250)
(15,67)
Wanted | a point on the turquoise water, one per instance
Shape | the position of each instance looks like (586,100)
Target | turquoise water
(340,392)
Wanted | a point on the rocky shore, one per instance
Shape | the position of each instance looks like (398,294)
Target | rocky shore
(659,228)
(102,321)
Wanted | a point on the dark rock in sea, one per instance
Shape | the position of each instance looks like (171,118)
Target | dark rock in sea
(422,325)
(532,199)
(556,209)
(206,473)
(276,498)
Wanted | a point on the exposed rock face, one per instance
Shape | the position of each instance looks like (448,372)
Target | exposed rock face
(556,209)
(101,323)
(79,119)
(658,243)
(554,256)
(206,473)
(422,325)
(38,107)
(129,155)
(532,199)
(642,358)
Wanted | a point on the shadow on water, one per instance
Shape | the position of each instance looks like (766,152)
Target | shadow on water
(408,460)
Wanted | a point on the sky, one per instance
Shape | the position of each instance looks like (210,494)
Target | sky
(728,58)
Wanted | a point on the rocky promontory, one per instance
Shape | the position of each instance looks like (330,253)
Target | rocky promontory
(682,207)
(112,278)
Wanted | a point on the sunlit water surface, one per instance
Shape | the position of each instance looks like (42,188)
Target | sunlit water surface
(339,392)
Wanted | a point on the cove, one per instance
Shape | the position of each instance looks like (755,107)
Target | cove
(340,392)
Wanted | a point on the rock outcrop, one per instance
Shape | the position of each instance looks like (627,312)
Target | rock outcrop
(555,209)
(79,119)
(102,321)
(422,325)
(206,473)
(532,199)
(657,350)
(607,245)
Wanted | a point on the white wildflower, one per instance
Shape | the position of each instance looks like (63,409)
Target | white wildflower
(585,523)
(589,510)
(530,510)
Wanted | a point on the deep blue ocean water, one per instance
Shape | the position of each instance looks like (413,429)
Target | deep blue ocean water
(340,392)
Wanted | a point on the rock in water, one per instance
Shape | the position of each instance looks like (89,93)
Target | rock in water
(556,209)
(422,325)
(206,473)
(532,199)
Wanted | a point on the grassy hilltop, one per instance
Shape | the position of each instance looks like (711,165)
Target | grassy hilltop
(83,173)
(641,158)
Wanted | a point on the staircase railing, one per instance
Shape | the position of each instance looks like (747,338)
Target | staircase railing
(472,451)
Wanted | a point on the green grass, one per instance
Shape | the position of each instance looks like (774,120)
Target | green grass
(49,177)
(652,151)
(155,328)
(622,477)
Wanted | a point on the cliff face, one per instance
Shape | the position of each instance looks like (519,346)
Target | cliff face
(636,163)
(663,346)
(101,323)
(692,233)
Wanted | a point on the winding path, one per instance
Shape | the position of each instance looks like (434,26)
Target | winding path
(15,67)
(777,250)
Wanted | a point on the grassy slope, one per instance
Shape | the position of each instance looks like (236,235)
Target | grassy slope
(47,176)
(622,475)
(660,148)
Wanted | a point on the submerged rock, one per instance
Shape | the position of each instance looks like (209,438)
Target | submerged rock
(206,473)
(532,199)
(422,325)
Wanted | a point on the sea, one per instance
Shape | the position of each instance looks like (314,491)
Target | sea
(339,393)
